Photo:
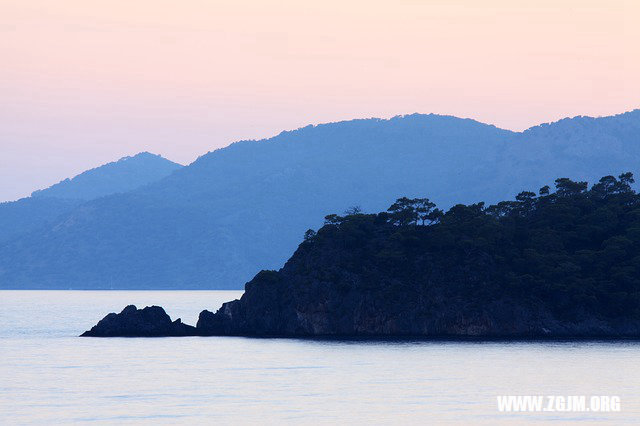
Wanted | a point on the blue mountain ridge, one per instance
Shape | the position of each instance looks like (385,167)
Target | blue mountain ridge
(243,208)
(44,206)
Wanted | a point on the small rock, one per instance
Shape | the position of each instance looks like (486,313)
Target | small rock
(151,321)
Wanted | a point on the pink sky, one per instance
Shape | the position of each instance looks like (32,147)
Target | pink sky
(86,82)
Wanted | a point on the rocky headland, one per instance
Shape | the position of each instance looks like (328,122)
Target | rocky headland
(550,265)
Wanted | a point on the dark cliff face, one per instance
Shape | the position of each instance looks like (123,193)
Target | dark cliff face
(434,305)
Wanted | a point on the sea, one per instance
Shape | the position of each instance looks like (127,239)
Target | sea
(49,375)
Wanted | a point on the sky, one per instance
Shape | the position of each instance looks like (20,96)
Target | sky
(84,82)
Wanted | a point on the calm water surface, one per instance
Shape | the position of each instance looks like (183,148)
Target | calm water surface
(50,376)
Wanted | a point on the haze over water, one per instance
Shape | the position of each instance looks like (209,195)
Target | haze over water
(51,376)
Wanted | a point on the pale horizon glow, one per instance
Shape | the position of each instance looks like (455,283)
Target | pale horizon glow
(85,83)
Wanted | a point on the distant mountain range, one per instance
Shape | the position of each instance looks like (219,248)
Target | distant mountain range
(234,211)
(44,206)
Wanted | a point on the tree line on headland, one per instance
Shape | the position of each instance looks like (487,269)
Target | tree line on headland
(575,248)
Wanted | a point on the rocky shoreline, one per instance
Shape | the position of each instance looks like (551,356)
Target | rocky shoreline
(153,321)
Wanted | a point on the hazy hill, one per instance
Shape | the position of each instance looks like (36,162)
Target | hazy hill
(581,148)
(46,205)
(118,176)
(216,222)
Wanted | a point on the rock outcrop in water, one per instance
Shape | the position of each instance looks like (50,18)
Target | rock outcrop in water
(558,265)
(151,321)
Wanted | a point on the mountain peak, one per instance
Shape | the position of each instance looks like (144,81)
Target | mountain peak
(627,118)
(144,155)
(123,175)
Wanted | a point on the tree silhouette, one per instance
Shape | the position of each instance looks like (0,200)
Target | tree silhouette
(309,234)
(544,190)
(353,210)
(576,249)
(423,208)
(566,187)
(403,212)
